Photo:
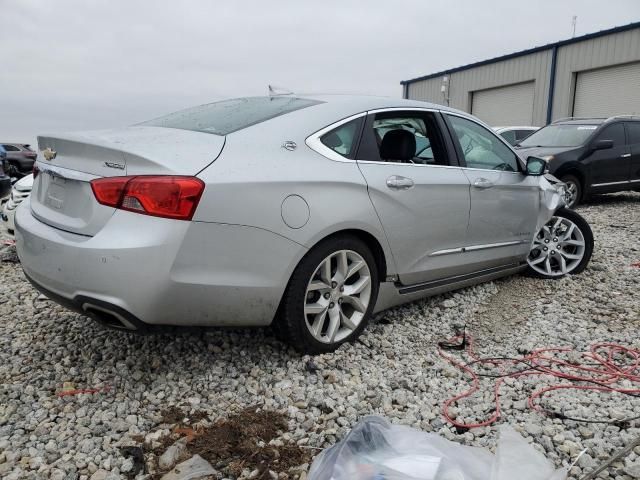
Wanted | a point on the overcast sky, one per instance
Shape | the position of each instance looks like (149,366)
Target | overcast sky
(85,64)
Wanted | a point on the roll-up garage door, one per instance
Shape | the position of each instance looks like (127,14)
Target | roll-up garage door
(504,106)
(608,91)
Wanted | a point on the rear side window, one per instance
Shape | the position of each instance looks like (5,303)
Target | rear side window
(228,116)
(633,132)
(11,148)
(613,132)
(522,134)
(397,137)
(343,139)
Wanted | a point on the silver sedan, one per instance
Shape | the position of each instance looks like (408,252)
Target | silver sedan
(309,212)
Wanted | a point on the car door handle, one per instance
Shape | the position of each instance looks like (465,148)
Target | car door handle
(483,183)
(625,155)
(398,182)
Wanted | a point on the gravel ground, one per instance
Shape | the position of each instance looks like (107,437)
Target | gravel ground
(394,371)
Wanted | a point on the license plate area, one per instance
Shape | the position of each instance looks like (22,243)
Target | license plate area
(56,191)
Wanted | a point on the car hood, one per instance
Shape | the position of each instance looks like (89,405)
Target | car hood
(541,152)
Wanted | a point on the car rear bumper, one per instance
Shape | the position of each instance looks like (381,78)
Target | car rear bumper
(141,270)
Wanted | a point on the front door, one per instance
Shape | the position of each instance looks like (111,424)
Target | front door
(420,194)
(504,201)
(610,168)
(633,139)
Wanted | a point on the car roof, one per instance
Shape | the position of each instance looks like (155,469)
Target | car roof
(521,127)
(580,121)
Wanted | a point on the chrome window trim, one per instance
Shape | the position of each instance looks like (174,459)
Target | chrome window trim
(314,143)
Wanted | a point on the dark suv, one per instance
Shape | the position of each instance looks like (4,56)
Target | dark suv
(20,159)
(591,155)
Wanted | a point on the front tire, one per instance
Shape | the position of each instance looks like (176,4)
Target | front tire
(562,246)
(573,190)
(331,295)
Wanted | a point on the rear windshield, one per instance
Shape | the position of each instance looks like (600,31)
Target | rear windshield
(568,135)
(227,116)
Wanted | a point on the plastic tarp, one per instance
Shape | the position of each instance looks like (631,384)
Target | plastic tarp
(377,450)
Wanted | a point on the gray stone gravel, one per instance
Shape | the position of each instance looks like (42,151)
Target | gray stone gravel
(393,371)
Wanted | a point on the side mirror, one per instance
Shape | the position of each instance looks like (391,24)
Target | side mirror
(602,145)
(536,166)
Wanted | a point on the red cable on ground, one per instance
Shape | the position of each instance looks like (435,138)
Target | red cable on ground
(606,376)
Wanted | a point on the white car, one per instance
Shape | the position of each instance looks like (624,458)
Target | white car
(21,190)
(515,135)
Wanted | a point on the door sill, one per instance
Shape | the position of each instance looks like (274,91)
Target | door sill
(405,290)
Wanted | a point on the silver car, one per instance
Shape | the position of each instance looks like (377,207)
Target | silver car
(309,212)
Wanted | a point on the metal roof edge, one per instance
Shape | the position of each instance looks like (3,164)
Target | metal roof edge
(549,46)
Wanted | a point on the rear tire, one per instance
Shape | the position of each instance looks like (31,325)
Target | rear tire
(562,247)
(574,190)
(330,296)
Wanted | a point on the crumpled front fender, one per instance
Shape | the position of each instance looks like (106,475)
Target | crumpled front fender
(552,198)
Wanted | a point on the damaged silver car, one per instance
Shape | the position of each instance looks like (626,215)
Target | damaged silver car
(309,212)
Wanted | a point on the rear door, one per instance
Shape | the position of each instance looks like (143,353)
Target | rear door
(611,167)
(422,198)
(504,201)
(633,139)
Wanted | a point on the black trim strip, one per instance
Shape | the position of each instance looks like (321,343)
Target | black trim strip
(458,278)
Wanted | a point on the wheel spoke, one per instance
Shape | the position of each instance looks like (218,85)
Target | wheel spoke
(325,271)
(569,232)
(547,266)
(355,303)
(538,260)
(570,256)
(576,243)
(355,267)
(346,321)
(318,285)
(563,264)
(314,308)
(343,266)
(318,322)
(334,323)
(358,287)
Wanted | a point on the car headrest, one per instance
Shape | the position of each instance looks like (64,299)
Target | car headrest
(399,145)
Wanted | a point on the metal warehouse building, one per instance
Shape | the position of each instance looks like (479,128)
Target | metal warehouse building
(592,75)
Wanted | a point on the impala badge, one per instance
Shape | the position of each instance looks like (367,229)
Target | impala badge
(49,154)
(119,166)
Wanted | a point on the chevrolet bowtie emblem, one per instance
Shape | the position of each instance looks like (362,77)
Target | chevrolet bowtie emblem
(49,154)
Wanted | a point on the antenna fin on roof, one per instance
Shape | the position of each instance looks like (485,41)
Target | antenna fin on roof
(274,91)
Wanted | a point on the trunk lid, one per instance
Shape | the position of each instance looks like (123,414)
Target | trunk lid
(62,195)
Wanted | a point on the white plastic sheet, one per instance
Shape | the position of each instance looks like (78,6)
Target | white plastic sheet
(378,450)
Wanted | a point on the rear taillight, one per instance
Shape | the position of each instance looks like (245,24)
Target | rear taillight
(161,196)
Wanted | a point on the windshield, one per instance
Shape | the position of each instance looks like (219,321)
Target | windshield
(559,136)
(222,118)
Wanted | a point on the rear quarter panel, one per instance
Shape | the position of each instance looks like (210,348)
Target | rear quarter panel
(249,182)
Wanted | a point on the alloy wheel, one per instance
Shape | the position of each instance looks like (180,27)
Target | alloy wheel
(337,296)
(570,193)
(558,248)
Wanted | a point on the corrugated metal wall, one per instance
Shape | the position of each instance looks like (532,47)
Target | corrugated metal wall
(613,49)
(623,47)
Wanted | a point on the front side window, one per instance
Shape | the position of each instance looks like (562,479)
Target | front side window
(481,148)
(342,139)
(614,133)
(560,135)
(228,116)
(403,138)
